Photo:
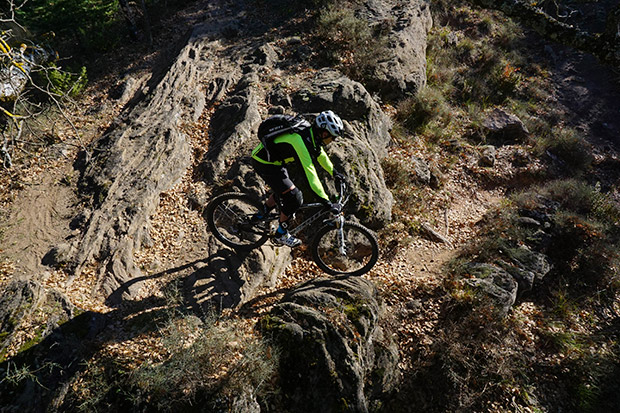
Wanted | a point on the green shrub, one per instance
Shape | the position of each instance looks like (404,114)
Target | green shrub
(348,41)
(427,105)
(569,147)
(94,24)
(66,83)
(220,363)
(585,233)
(506,78)
(205,363)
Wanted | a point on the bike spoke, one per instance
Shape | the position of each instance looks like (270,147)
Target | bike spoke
(231,218)
(350,250)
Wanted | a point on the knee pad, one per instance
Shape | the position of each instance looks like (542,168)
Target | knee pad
(291,201)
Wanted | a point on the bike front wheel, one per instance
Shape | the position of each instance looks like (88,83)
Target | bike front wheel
(232,218)
(350,250)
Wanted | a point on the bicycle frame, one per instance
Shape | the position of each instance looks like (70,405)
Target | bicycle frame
(310,220)
(324,215)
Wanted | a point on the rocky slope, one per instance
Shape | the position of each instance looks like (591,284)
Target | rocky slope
(124,228)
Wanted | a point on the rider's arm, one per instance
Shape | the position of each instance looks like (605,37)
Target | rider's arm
(325,162)
(305,161)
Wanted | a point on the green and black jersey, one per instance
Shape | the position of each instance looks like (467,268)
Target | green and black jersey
(291,147)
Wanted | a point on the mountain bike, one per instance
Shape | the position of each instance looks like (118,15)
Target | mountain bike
(339,246)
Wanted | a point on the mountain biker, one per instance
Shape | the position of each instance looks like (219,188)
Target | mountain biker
(305,149)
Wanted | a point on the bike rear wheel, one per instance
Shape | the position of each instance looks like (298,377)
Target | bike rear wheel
(357,256)
(232,220)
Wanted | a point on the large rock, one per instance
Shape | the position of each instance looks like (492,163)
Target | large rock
(50,336)
(30,315)
(330,89)
(142,155)
(334,354)
(365,142)
(22,300)
(403,72)
(527,266)
(496,283)
(503,127)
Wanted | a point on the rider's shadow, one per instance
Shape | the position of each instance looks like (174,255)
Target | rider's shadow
(219,282)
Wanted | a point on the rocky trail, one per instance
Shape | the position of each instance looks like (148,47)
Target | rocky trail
(179,246)
(115,235)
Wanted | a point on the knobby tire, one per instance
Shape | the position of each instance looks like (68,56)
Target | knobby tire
(361,255)
(229,219)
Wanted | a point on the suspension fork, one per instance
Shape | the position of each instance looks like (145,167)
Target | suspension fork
(340,225)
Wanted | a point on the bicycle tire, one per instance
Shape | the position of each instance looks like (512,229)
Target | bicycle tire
(229,218)
(361,255)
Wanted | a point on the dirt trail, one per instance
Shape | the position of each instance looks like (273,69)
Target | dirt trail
(37,221)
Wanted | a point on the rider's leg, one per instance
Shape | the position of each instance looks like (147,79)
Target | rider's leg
(290,201)
(285,194)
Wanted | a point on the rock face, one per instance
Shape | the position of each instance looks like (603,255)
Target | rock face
(242,79)
(357,155)
(404,71)
(335,356)
(367,135)
(143,155)
(230,278)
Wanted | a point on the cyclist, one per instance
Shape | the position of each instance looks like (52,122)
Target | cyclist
(305,148)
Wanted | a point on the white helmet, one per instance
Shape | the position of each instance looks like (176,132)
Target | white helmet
(329,121)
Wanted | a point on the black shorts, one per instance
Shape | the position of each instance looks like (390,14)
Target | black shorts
(276,176)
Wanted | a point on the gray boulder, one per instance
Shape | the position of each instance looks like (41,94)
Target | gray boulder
(526,261)
(496,283)
(330,89)
(335,356)
(21,301)
(403,71)
(422,171)
(503,127)
(487,156)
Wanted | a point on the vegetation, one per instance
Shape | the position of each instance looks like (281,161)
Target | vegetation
(211,363)
(479,60)
(348,42)
(93,24)
(561,322)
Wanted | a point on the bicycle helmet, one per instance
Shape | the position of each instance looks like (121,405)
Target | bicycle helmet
(329,121)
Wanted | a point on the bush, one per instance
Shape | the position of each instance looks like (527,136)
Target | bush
(348,41)
(561,318)
(94,24)
(219,364)
(208,363)
(66,83)
(427,105)
(569,147)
